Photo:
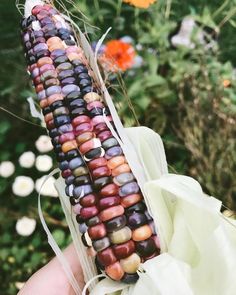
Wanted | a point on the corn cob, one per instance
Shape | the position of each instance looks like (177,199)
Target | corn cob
(109,207)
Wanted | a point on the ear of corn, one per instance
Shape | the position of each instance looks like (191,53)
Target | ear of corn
(109,207)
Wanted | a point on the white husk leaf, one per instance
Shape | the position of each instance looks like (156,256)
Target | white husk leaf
(33,110)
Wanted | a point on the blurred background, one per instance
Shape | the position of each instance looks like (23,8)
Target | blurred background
(173,70)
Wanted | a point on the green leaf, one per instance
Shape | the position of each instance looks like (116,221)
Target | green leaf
(152,61)
(20,147)
(36,259)
(233,23)
(143,102)
(4,253)
(154,80)
(4,127)
(6,238)
(135,88)
(59,236)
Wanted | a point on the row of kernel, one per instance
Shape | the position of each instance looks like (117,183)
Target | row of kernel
(114,164)
(52,84)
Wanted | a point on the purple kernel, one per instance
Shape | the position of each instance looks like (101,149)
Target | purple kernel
(70,88)
(65,128)
(41,95)
(113,152)
(40,47)
(53,90)
(129,189)
(57,52)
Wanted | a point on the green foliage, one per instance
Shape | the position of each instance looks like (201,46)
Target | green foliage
(179,92)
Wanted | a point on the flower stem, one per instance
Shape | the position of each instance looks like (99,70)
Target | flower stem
(118,9)
(168,8)
(227,18)
(220,9)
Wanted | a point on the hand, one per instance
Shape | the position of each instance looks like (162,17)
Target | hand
(51,279)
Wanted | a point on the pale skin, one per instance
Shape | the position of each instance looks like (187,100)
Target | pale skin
(51,279)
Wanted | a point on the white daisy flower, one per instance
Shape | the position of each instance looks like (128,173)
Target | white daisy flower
(43,144)
(22,186)
(43,163)
(7,168)
(25,226)
(27,159)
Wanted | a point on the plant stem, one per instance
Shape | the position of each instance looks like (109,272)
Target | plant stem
(227,18)
(220,9)
(168,8)
(22,119)
(136,19)
(118,9)
(100,16)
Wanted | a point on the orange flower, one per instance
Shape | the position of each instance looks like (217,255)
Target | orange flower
(118,55)
(140,3)
(226,83)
